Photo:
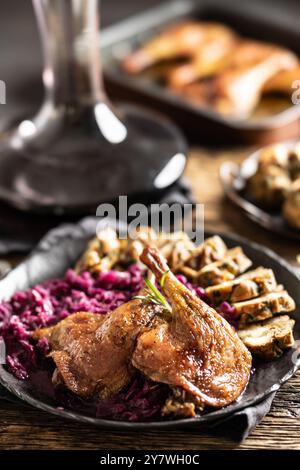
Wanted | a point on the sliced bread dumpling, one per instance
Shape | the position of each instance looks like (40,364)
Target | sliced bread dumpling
(234,263)
(264,307)
(211,250)
(270,338)
(248,286)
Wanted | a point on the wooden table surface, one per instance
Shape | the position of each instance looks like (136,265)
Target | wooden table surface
(22,427)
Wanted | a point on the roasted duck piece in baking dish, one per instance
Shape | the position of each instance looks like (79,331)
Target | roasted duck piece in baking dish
(211,65)
(208,60)
(233,54)
(237,88)
(197,353)
(177,41)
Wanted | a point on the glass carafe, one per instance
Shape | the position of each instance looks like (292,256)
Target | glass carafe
(79,151)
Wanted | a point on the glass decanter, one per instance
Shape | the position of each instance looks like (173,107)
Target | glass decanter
(79,151)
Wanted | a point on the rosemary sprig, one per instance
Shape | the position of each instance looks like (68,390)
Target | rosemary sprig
(153,295)
(162,281)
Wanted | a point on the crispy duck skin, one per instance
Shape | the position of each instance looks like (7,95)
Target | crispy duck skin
(197,352)
(179,40)
(92,352)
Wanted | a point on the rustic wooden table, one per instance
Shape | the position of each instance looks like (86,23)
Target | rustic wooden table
(22,427)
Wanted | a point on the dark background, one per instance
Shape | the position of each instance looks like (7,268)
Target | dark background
(20,55)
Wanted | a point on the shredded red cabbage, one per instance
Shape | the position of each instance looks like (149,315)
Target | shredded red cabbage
(228,312)
(142,400)
(48,303)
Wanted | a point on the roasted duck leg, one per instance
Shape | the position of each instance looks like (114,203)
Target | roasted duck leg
(92,352)
(177,41)
(197,352)
(237,89)
(212,57)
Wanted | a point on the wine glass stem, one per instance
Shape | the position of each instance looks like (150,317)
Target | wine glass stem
(70,35)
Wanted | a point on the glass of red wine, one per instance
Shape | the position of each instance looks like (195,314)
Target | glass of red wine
(79,150)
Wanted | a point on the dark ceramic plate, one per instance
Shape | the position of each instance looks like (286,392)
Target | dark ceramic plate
(234,179)
(59,250)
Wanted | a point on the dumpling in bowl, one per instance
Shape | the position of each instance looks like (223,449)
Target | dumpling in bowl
(269,185)
(276,155)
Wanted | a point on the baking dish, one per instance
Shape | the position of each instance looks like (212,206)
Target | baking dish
(253,20)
